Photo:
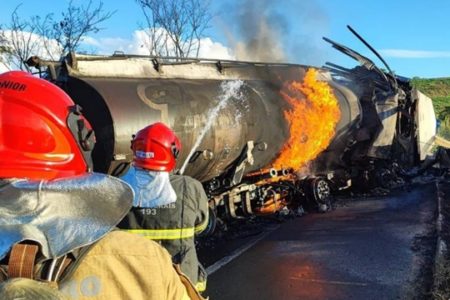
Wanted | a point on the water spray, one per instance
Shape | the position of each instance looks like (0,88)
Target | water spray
(228,90)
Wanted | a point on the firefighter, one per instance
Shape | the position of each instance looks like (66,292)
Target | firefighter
(57,217)
(168,208)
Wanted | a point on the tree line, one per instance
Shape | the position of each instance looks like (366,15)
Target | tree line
(173,28)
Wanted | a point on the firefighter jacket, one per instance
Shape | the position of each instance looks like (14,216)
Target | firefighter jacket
(125,266)
(69,223)
(174,225)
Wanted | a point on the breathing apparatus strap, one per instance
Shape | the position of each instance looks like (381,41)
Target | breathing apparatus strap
(22,260)
(23,263)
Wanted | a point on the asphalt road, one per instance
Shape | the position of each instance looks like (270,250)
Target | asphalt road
(371,248)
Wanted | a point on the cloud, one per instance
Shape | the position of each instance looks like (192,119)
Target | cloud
(403,53)
(139,42)
(108,45)
(214,50)
(34,43)
(30,44)
(3,67)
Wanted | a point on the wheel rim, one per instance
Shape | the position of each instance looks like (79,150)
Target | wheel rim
(321,190)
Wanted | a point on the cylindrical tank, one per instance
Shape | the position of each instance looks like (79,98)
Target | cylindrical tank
(121,96)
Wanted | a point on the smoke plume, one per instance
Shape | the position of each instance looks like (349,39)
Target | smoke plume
(276,31)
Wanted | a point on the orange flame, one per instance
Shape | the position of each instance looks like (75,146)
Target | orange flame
(312,120)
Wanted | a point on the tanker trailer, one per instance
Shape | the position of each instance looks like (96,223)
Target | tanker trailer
(288,133)
(238,157)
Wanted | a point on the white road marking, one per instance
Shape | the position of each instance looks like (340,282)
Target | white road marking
(227,259)
(330,281)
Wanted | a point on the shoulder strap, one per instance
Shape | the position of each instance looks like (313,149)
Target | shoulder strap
(23,263)
(22,260)
(72,264)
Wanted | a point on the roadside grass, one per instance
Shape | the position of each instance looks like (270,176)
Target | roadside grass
(441,289)
(438,89)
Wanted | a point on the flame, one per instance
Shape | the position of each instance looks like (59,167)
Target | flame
(312,120)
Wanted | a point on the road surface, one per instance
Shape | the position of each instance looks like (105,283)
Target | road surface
(371,248)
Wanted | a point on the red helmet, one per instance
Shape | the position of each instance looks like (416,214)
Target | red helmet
(42,132)
(156,148)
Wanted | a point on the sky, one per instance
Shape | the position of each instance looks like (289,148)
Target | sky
(412,36)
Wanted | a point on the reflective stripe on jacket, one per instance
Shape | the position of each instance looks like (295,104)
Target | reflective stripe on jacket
(170,234)
(174,225)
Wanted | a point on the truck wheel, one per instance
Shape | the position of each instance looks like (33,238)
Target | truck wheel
(320,193)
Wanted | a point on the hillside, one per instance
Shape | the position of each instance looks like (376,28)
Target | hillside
(439,90)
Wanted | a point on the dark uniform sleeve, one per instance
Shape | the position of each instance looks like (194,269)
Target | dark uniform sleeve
(202,217)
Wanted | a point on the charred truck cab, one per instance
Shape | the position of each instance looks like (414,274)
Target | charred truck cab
(383,124)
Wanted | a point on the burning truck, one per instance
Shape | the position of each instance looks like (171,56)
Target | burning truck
(261,137)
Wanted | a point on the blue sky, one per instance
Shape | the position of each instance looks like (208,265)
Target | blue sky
(412,35)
